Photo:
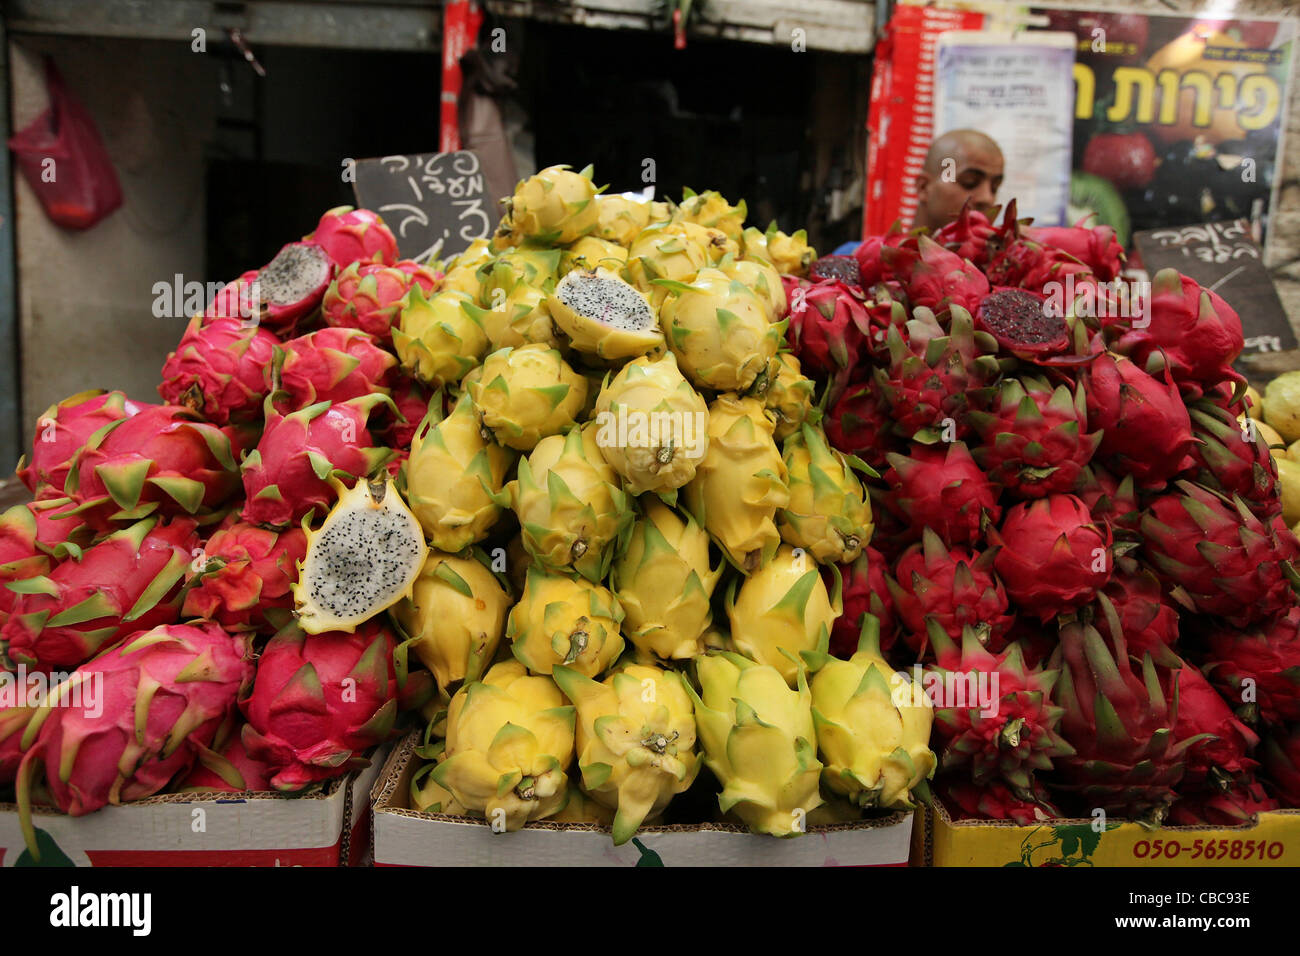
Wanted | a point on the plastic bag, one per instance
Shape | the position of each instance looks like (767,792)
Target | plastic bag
(64,160)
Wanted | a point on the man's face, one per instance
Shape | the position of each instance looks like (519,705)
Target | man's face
(973,171)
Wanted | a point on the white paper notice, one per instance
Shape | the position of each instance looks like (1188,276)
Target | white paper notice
(1020,91)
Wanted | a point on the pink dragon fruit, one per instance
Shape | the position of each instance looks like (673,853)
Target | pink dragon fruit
(217,370)
(237,300)
(1279,751)
(1128,756)
(320,702)
(127,582)
(935,278)
(950,587)
(13,724)
(1219,557)
(1006,739)
(329,365)
(1146,431)
(870,255)
(1148,621)
(1257,670)
(968,235)
(62,431)
(291,286)
(368,296)
(858,424)
(286,476)
(411,398)
(940,487)
(1239,804)
(1110,500)
(934,378)
(30,541)
(1225,753)
(1098,248)
(1054,558)
(864,592)
(828,328)
(995,801)
(228,769)
(1025,325)
(1189,329)
(836,269)
(163,460)
(162,695)
(355,235)
(1234,459)
(248,576)
(1035,439)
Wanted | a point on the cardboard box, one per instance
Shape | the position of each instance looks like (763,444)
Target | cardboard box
(406,837)
(318,829)
(1274,840)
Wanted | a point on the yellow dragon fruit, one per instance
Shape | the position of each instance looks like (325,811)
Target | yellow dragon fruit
(512,295)
(593,252)
(759,741)
(460,273)
(763,278)
(552,208)
(604,317)
(501,274)
(456,617)
(740,483)
(563,620)
(783,609)
(524,394)
(786,392)
(664,582)
(635,740)
(427,795)
(873,725)
(454,476)
(720,330)
(661,252)
(717,245)
(361,561)
(440,338)
(583,809)
(619,219)
(572,512)
(711,210)
(509,742)
(828,515)
(654,425)
(790,255)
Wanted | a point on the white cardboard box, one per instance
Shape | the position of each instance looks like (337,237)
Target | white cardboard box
(406,837)
(318,829)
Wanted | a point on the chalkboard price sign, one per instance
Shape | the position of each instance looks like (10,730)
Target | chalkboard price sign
(1224,257)
(435,203)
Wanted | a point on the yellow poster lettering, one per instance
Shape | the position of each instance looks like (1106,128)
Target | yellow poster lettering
(1127,80)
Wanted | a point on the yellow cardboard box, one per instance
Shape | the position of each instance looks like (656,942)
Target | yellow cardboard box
(938,840)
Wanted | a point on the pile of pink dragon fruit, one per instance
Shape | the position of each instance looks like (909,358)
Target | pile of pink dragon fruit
(152,565)
(1073,499)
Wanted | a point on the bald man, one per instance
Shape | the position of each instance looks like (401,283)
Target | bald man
(961,165)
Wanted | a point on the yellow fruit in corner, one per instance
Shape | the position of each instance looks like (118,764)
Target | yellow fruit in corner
(1255,403)
(1288,481)
(1282,405)
(1269,434)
